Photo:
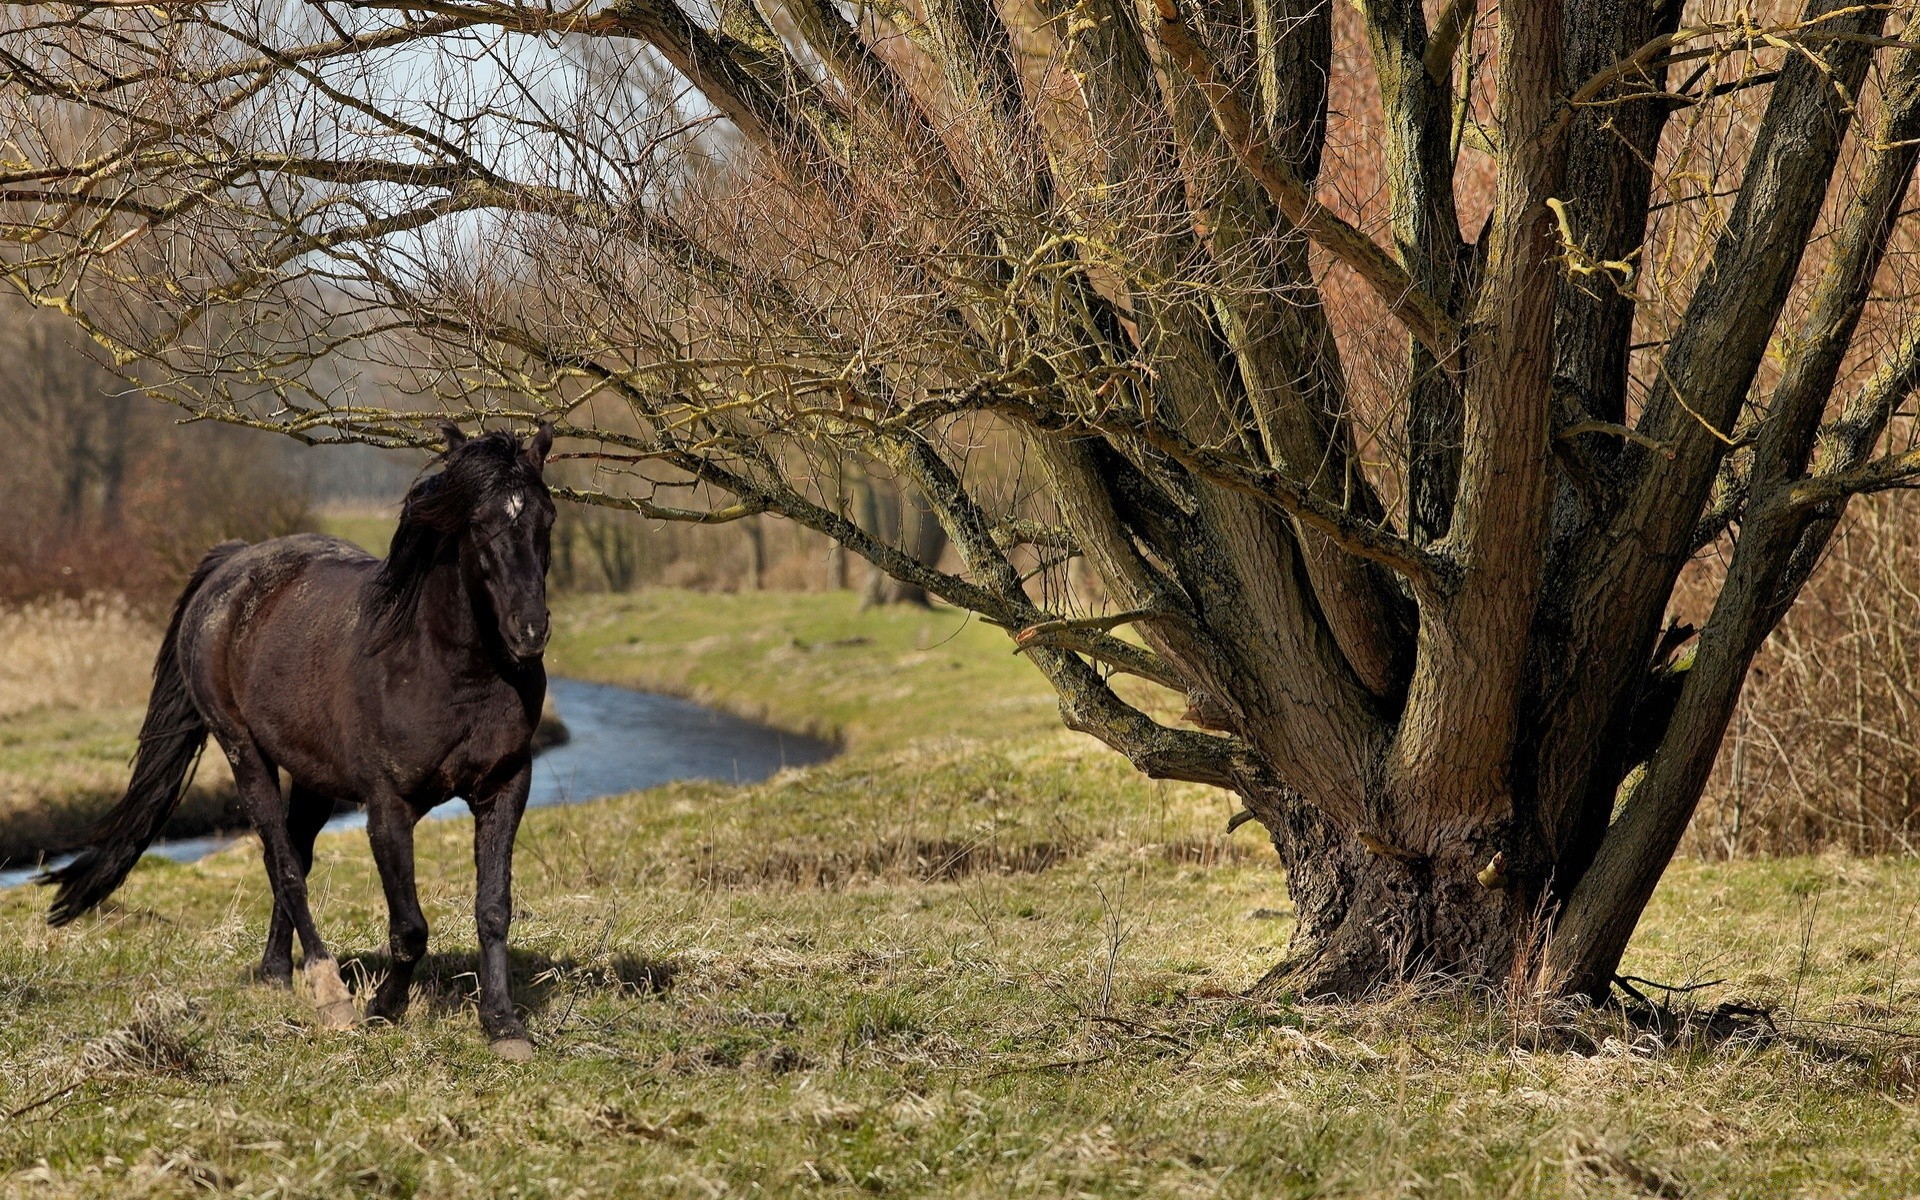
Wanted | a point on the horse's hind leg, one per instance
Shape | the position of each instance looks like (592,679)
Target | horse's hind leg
(390,822)
(259,784)
(307,811)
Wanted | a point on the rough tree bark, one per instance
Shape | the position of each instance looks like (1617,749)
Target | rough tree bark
(1401,515)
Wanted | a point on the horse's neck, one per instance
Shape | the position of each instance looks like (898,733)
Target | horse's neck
(449,622)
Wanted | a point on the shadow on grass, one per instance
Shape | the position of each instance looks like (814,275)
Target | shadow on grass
(445,984)
(925,860)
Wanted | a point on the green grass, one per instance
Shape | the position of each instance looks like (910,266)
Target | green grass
(370,531)
(974,956)
(811,663)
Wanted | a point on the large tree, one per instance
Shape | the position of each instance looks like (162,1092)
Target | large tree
(1386,427)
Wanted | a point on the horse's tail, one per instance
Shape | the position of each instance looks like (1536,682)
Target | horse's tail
(170,742)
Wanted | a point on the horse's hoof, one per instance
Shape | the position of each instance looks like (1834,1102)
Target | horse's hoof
(331,1001)
(513,1049)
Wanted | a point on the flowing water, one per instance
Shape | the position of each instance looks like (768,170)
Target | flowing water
(620,741)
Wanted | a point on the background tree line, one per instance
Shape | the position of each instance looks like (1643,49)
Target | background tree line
(109,492)
(105,491)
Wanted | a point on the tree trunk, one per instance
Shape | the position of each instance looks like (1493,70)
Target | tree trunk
(75,465)
(566,532)
(836,551)
(756,552)
(615,541)
(117,410)
(900,515)
(881,518)
(921,537)
(1367,918)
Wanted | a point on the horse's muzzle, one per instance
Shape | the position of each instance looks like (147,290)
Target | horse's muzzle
(529,640)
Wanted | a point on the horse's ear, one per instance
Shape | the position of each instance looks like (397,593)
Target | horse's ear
(451,432)
(541,443)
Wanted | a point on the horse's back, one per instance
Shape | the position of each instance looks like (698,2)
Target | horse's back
(298,597)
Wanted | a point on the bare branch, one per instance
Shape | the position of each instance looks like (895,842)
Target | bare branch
(1422,315)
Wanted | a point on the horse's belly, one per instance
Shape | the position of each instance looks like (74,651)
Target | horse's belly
(421,751)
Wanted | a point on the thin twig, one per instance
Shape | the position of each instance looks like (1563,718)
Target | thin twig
(47,1099)
(1143,1031)
(1065,1064)
(1671,988)
(1033,633)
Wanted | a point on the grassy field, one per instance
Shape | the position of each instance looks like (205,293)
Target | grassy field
(974,956)
(368,527)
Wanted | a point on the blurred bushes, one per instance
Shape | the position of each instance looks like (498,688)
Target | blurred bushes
(606,550)
(106,491)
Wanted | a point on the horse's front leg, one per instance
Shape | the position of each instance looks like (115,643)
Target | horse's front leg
(496,819)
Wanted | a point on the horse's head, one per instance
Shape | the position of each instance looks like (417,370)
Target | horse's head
(496,504)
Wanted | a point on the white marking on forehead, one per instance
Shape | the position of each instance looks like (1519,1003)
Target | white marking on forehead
(515,503)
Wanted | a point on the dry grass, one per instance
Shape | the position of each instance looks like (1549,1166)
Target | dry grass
(1824,749)
(75,654)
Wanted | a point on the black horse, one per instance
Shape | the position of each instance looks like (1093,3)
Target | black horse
(396,684)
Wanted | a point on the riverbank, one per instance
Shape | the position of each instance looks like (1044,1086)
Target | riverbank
(974,956)
(810,662)
(73,687)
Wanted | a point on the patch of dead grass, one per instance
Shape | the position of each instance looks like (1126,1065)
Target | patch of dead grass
(83,654)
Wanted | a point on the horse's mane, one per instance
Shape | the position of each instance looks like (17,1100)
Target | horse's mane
(438,508)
